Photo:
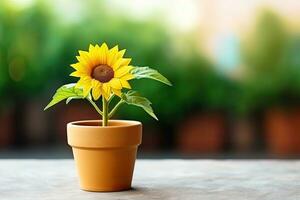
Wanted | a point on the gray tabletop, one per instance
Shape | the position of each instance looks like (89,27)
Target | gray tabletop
(157,179)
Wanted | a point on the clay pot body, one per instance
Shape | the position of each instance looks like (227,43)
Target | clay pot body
(202,133)
(105,156)
(283,131)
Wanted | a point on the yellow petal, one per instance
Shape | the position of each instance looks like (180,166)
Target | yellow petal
(125,84)
(77,66)
(82,67)
(106,90)
(76,74)
(117,64)
(93,58)
(122,71)
(96,92)
(91,47)
(87,58)
(127,77)
(86,84)
(120,54)
(83,81)
(115,83)
(117,92)
(86,90)
(115,49)
(102,53)
(84,57)
(96,55)
(125,61)
(119,60)
(83,53)
(93,51)
(112,55)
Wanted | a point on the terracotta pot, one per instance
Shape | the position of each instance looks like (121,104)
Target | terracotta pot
(202,133)
(282,131)
(105,156)
(7,128)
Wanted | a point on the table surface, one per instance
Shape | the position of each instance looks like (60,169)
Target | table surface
(157,179)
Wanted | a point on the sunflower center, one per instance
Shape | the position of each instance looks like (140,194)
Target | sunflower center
(103,73)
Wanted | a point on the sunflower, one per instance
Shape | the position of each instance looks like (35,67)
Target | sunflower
(102,71)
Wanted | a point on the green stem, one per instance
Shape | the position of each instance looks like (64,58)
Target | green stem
(112,112)
(105,112)
(95,106)
(110,98)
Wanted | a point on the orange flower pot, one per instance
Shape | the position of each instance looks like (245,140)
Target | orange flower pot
(105,156)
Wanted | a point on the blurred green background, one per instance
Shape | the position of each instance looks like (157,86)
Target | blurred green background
(235,74)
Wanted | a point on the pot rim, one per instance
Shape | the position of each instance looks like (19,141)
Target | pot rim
(89,134)
(124,124)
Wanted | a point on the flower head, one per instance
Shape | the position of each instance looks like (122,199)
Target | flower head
(103,71)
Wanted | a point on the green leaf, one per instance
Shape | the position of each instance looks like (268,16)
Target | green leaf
(68,92)
(133,98)
(147,72)
(72,98)
(88,97)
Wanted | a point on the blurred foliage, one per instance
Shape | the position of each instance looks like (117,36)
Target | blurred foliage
(273,67)
(37,45)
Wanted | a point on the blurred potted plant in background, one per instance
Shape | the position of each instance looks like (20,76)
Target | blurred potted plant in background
(203,129)
(6,109)
(28,49)
(272,84)
(105,150)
